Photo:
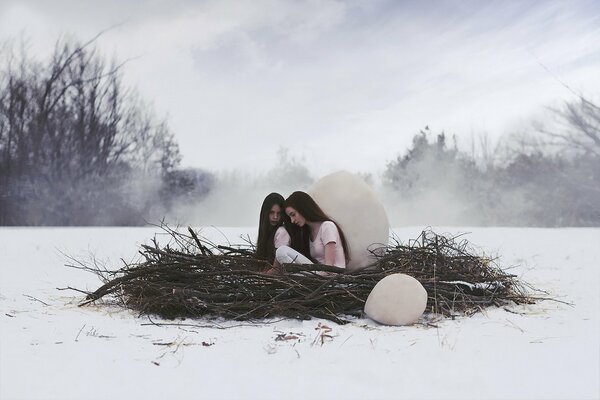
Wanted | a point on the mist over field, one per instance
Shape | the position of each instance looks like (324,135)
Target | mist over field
(547,176)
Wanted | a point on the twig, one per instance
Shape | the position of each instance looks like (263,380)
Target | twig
(77,337)
(38,300)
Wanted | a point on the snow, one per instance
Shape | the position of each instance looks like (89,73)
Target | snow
(57,350)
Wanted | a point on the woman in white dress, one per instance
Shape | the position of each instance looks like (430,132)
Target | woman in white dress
(315,237)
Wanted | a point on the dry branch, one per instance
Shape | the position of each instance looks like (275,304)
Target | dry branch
(191,277)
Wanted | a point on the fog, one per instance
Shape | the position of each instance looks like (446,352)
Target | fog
(237,197)
(548,175)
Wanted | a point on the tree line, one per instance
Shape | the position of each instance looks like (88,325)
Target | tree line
(547,177)
(77,147)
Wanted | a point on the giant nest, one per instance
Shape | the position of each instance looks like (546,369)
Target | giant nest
(191,277)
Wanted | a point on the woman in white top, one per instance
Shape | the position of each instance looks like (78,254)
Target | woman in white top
(271,232)
(315,237)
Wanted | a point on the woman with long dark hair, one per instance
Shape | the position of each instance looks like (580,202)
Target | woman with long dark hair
(271,232)
(315,237)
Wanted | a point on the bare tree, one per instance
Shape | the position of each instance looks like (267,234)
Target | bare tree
(578,128)
(71,134)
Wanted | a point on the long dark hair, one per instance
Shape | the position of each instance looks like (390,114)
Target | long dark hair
(310,210)
(265,248)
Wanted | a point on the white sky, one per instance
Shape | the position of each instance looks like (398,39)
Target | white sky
(343,85)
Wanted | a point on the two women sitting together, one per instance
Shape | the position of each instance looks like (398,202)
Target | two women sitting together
(296,230)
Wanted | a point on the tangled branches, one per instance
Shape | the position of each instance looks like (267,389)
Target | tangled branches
(191,277)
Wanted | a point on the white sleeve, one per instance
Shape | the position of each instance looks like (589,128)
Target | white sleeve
(329,233)
(282,237)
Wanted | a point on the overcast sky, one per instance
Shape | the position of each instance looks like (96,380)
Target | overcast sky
(341,84)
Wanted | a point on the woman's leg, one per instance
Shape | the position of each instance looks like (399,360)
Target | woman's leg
(287,255)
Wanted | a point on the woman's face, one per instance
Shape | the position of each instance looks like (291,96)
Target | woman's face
(275,215)
(295,216)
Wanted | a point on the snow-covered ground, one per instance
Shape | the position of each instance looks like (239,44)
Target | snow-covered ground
(52,349)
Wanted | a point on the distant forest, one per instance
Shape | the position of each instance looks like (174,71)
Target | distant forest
(79,148)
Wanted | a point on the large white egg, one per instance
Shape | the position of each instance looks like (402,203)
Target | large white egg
(354,206)
(397,299)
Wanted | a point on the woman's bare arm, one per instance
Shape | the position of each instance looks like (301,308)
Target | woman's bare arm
(330,253)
